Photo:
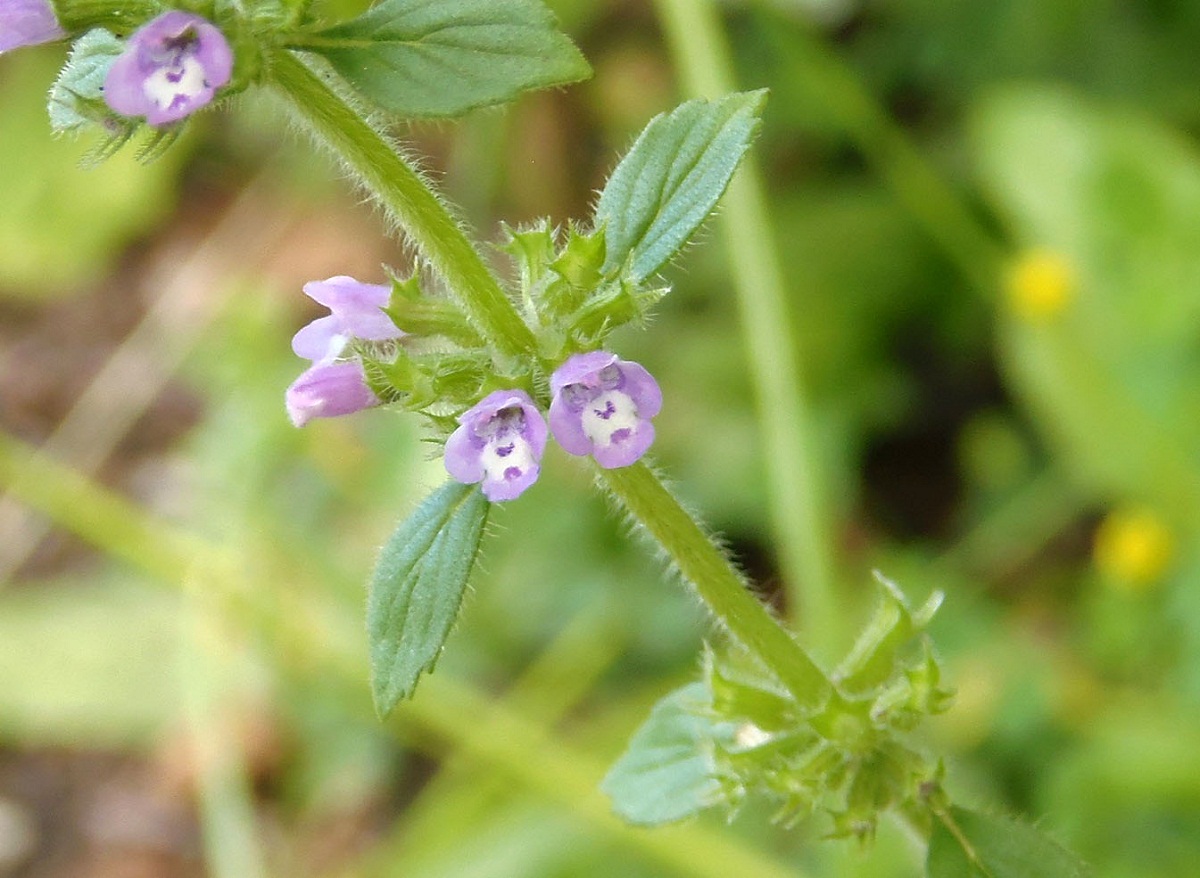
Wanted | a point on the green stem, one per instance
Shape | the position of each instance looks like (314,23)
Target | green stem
(798,511)
(412,204)
(638,490)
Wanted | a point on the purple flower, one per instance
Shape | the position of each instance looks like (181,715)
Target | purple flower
(602,406)
(27,23)
(170,68)
(335,385)
(498,442)
(327,390)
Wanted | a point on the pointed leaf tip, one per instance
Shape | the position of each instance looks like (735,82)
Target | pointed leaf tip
(671,179)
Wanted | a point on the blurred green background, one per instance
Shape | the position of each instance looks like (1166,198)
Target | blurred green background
(988,217)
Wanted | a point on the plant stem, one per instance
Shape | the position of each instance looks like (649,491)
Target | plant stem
(638,490)
(407,198)
(789,442)
(426,220)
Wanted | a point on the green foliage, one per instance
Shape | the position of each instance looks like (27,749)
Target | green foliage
(670,180)
(669,770)
(417,588)
(739,735)
(65,678)
(77,97)
(1116,196)
(425,59)
(970,844)
(60,223)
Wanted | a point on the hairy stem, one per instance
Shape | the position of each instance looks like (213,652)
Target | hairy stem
(798,511)
(638,490)
(407,198)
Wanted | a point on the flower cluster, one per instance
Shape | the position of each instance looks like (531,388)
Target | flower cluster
(171,67)
(336,384)
(27,23)
(600,405)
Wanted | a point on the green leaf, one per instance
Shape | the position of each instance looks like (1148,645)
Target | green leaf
(989,846)
(436,58)
(874,656)
(670,180)
(668,771)
(417,588)
(77,96)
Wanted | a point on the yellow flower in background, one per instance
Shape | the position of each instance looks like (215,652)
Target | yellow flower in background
(1133,548)
(1040,285)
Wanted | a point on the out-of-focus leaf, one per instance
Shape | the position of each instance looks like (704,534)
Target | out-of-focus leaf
(1000,847)
(61,224)
(670,180)
(87,665)
(417,588)
(1119,369)
(668,771)
(442,58)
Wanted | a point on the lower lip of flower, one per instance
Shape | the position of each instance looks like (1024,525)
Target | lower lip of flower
(181,82)
(610,418)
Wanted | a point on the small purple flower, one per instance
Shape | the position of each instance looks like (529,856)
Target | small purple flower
(170,68)
(327,390)
(27,23)
(498,442)
(602,406)
(335,385)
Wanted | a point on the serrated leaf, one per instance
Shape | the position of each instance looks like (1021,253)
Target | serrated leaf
(437,58)
(77,96)
(668,771)
(417,589)
(999,847)
(670,180)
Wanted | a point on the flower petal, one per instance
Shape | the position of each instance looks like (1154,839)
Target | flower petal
(27,23)
(497,446)
(567,426)
(580,369)
(171,67)
(463,458)
(329,390)
(511,485)
(357,305)
(626,450)
(320,340)
(641,387)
